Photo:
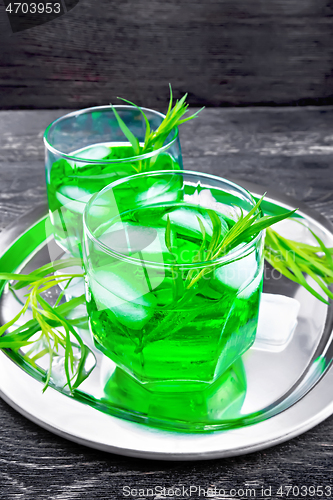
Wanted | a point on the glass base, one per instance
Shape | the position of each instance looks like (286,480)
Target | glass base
(221,400)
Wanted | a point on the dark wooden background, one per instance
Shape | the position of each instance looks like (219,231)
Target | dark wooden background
(223,52)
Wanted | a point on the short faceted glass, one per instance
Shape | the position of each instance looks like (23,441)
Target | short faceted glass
(87,150)
(169,318)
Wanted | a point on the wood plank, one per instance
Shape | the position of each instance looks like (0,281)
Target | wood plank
(222,52)
(290,150)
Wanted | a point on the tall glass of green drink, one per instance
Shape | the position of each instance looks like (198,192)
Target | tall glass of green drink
(169,314)
(87,150)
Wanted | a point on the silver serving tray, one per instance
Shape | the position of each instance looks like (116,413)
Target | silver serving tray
(293,386)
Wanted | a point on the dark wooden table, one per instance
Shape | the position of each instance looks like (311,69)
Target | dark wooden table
(288,149)
(222,52)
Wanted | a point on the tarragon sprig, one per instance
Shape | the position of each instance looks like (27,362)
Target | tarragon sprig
(295,260)
(292,259)
(50,325)
(154,139)
(244,229)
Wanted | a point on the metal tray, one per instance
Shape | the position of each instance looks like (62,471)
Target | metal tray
(288,392)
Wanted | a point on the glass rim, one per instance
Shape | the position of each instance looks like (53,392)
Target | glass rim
(74,114)
(236,254)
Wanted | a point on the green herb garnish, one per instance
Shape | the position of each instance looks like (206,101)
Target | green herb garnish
(244,229)
(154,139)
(49,326)
(293,260)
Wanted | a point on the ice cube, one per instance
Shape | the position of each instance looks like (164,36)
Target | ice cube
(162,190)
(76,286)
(58,373)
(73,198)
(124,284)
(185,221)
(128,237)
(133,315)
(237,275)
(130,299)
(145,243)
(277,322)
(110,173)
(94,153)
(205,198)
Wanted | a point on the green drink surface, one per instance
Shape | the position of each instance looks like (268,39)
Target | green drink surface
(71,185)
(149,320)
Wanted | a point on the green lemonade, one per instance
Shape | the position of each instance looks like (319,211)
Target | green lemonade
(71,184)
(146,318)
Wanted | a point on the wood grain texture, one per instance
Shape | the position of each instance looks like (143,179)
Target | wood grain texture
(287,149)
(290,150)
(223,52)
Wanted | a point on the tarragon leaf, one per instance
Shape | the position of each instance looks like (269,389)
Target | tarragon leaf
(126,131)
(168,235)
(147,134)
